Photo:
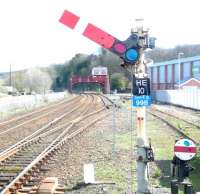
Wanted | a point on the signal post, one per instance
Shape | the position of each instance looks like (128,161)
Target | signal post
(131,51)
(141,99)
(142,179)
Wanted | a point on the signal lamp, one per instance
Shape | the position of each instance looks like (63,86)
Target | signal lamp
(131,55)
(120,48)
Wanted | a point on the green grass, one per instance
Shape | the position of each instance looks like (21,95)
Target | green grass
(109,172)
(163,141)
(123,141)
(189,130)
(195,175)
(10,169)
(157,173)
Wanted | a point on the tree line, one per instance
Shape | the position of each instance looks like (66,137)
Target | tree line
(120,79)
(82,64)
(160,54)
(31,80)
(56,77)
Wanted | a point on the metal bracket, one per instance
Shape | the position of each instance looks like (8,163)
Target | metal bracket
(149,155)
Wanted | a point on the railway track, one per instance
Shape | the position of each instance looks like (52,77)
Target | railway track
(69,114)
(29,114)
(17,122)
(20,163)
(28,125)
(183,127)
(189,121)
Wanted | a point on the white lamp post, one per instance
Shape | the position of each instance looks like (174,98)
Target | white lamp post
(179,69)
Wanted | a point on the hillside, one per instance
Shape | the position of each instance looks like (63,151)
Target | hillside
(82,64)
(160,54)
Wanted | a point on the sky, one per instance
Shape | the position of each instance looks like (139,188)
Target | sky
(30,34)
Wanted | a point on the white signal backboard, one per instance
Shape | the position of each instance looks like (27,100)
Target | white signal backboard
(99,71)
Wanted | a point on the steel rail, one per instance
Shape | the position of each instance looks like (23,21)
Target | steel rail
(186,121)
(14,148)
(33,119)
(36,111)
(59,141)
(173,127)
(109,103)
(27,140)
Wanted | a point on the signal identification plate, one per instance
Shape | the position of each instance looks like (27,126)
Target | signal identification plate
(138,101)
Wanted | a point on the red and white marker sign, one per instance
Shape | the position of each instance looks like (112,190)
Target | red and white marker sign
(185,149)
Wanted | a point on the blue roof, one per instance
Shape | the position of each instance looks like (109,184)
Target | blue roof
(174,61)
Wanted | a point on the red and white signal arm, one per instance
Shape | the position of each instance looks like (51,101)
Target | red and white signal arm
(127,50)
(185,149)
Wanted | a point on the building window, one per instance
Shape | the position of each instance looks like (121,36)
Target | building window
(186,70)
(154,75)
(169,75)
(162,74)
(196,68)
(176,73)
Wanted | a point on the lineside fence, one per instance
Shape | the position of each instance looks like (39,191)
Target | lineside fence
(13,104)
(186,97)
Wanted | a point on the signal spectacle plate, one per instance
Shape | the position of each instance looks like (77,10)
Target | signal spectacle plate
(131,55)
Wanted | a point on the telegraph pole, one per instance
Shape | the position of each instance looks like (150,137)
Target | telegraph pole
(10,76)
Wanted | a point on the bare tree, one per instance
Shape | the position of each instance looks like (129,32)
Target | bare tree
(1,82)
(37,80)
(18,80)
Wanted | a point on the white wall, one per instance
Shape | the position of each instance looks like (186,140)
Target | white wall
(12,104)
(188,97)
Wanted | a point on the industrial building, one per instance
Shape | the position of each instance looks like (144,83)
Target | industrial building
(175,73)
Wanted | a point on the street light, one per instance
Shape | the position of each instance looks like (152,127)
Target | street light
(179,69)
